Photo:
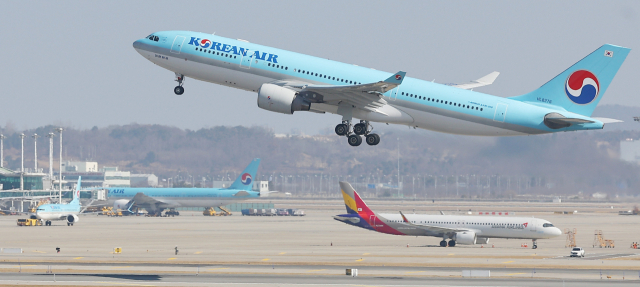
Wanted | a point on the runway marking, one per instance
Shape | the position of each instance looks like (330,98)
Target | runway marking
(316,270)
(366,253)
(78,258)
(508,262)
(199,252)
(39,251)
(516,274)
(451,254)
(281,253)
(127,284)
(266,259)
(172,258)
(118,267)
(361,259)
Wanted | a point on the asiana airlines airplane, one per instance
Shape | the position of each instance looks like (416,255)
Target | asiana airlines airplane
(287,82)
(458,229)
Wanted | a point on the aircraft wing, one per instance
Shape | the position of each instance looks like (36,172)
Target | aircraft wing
(368,97)
(431,228)
(484,81)
(140,199)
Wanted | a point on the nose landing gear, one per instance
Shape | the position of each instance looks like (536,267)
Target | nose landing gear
(179,90)
(535,244)
(354,137)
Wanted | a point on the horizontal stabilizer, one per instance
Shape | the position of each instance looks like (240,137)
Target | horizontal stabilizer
(608,120)
(484,81)
(558,121)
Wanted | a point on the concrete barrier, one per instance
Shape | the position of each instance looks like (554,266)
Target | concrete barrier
(11,250)
(476,273)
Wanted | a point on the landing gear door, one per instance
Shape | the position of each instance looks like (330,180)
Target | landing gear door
(177,44)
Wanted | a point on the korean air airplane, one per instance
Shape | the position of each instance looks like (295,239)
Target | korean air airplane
(155,200)
(466,230)
(68,212)
(287,82)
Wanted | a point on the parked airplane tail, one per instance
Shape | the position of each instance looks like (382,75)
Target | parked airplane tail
(76,194)
(246,178)
(580,88)
(352,200)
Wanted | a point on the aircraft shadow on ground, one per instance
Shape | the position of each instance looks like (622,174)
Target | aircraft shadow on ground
(141,277)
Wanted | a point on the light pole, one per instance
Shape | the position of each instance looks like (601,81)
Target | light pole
(59,130)
(22,162)
(35,152)
(2,150)
(50,136)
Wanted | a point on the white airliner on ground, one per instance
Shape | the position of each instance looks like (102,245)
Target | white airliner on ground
(458,229)
(68,212)
(287,82)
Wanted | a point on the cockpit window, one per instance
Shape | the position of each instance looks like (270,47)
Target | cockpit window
(547,225)
(153,38)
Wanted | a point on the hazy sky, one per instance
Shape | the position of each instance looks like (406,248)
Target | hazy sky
(72,63)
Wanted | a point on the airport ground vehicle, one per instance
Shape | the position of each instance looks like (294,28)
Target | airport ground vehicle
(577,252)
(29,222)
(171,212)
(210,211)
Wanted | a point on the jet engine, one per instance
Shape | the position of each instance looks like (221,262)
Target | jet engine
(120,203)
(482,240)
(72,218)
(281,100)
(466,238)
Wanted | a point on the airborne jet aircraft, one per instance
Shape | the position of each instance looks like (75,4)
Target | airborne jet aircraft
(287,82)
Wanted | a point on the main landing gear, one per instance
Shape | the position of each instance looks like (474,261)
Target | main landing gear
(179,90)
(354,137)
(444,243)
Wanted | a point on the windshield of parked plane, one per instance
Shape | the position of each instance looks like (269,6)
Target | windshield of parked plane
(547,225)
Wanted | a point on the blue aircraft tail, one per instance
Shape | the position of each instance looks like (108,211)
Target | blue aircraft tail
(246,178)
(580,88)
(76,194)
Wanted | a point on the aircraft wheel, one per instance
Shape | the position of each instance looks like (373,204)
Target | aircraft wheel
(452,243)
(179,90)
(535,246)
(342,129)
(360,129)
(443,243)
(354,140)
(373,139)
(68,224)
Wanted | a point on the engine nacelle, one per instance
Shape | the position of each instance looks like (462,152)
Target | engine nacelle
(120,203)
(466,238)
(482,240)
(72,218)
(281,100)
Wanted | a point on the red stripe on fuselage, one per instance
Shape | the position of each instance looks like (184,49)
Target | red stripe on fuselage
(373,220)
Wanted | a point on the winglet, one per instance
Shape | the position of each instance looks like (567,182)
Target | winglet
(396,78)
(404,218)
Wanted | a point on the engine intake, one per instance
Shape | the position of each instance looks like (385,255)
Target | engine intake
(72,218)
(466,238)
(281,100)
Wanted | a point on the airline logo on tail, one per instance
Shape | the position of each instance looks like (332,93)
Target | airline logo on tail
(246,179)
(582,87)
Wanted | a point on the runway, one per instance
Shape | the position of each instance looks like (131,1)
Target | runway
(310,250)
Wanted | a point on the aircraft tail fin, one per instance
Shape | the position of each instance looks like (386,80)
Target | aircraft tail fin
(352,200)
(579,88)
(246,178)
(76,194)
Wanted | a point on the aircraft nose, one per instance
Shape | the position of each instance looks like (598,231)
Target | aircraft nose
(557,231)
(137,44)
